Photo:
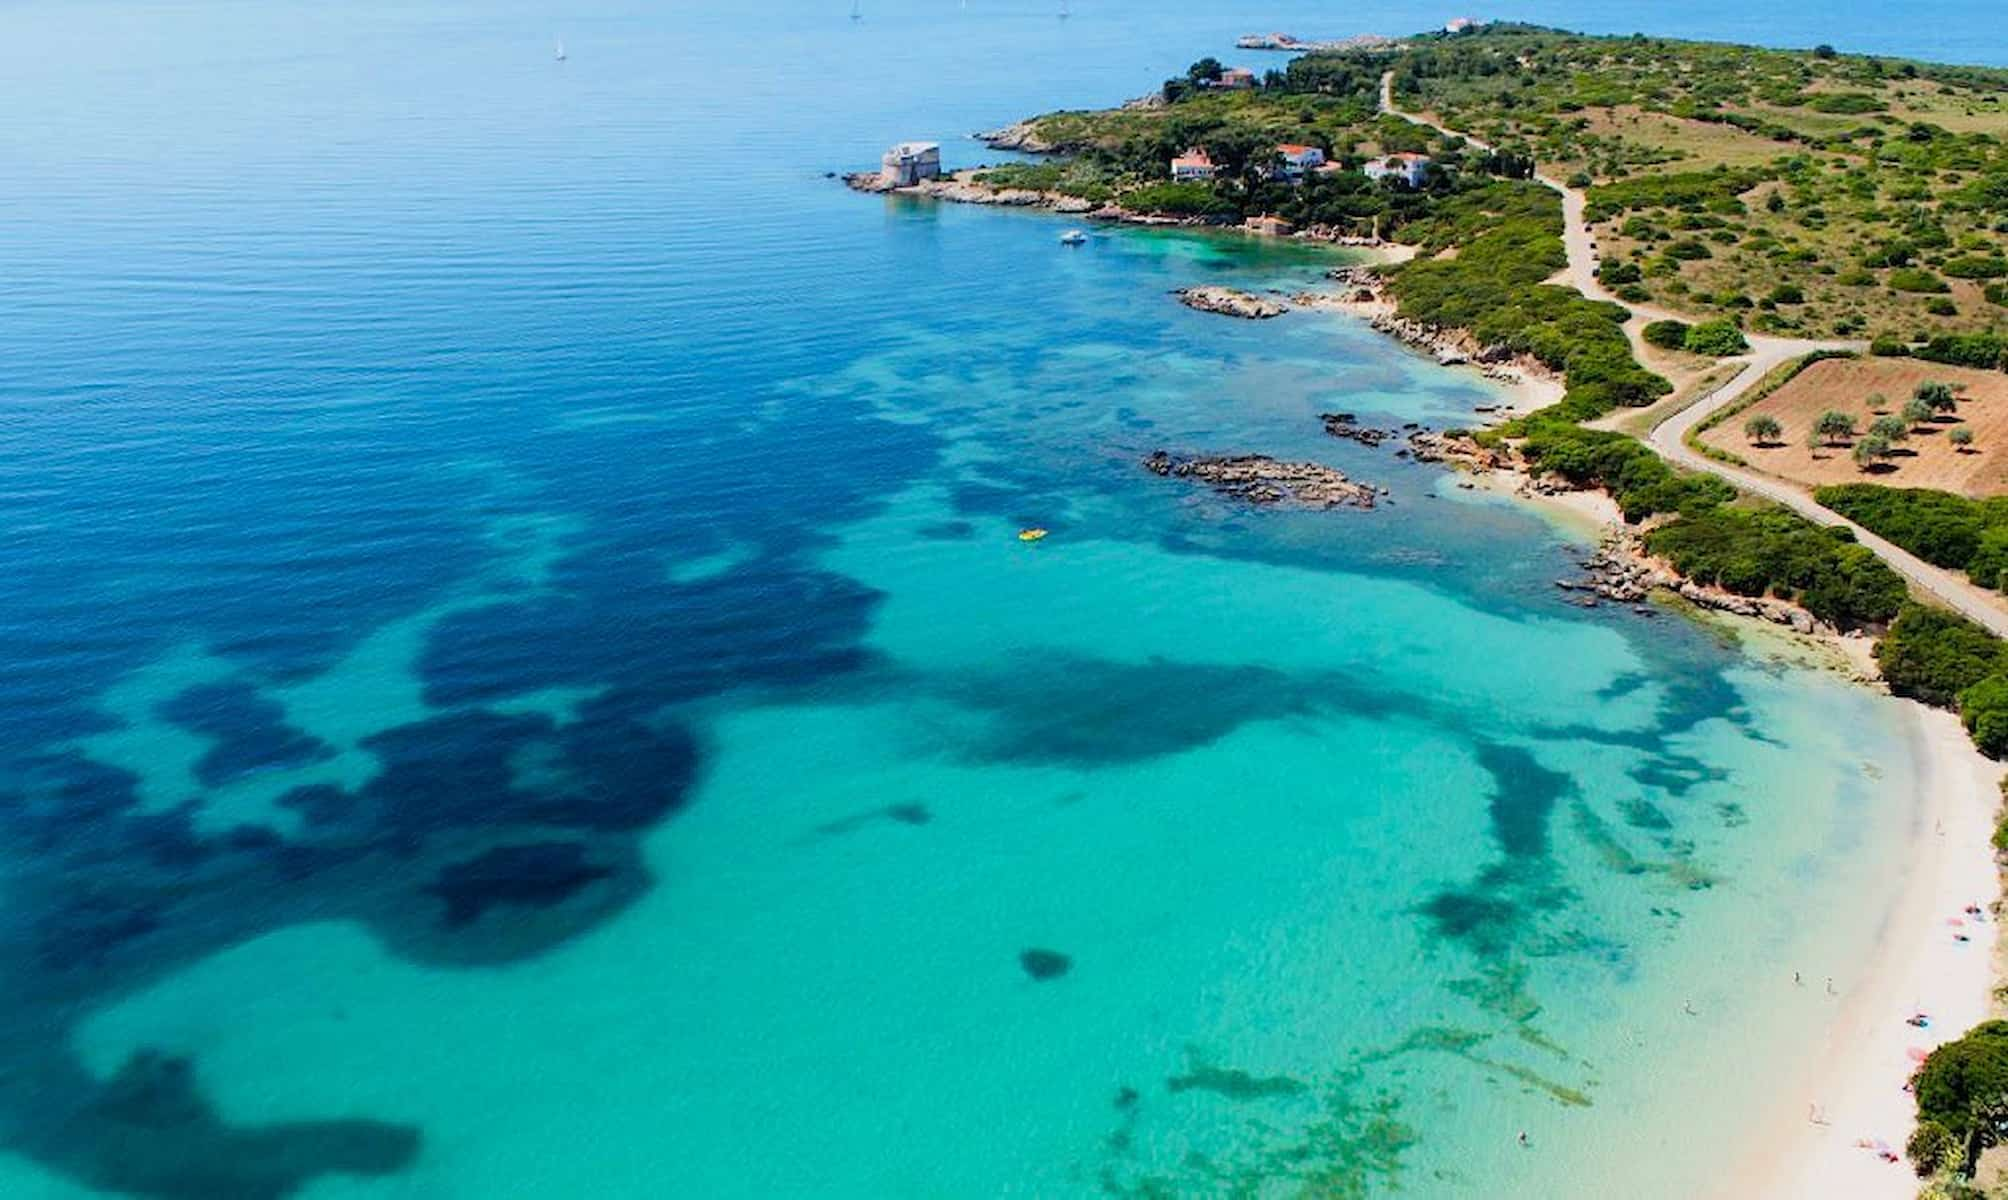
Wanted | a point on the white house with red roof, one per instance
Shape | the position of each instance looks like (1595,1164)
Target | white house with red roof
(1194,164)
(1297,160)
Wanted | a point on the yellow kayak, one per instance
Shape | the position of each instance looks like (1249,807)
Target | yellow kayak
(1030,535)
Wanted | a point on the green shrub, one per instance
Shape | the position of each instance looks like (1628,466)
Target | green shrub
(1179,200)
(1976,266)
(1913,279)
(1889,345)
(1787,293)
(1667,335)
(1932,1148)
(1688,250)
(1983,350)
(1938,527)
(1932,655)
(1717,338)
(1846,103)
(1990,557)
(1963,1087)
(1939,306)
(1615,272)
(1983,709)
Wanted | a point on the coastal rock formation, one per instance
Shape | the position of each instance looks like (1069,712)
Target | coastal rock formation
(1364,291)
(1345,425)
(1259,479)
(1457,449)
(1231,302)
(961,189)
(1021,136)
(1619,570)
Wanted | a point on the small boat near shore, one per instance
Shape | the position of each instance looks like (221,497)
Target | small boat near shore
(1074,237)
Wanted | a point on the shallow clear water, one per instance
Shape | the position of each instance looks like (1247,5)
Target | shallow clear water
(521,679)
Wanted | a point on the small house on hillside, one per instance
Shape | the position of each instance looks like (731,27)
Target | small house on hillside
(910,162)
(1194,164)
(1299,159)
(1410,169)
(1235,79)
(1268,225)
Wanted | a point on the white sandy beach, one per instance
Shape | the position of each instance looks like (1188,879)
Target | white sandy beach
(1857,1081)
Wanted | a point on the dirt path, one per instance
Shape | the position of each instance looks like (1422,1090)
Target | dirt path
(1668,438)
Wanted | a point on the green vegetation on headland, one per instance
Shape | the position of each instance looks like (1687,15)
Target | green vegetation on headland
(1489,237)
(1789,191)
(1123,156)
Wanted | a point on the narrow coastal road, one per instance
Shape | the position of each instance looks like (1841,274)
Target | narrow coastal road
(1668,438)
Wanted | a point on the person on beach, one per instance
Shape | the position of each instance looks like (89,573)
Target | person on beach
(1796,981)
(1523,1137)
(1687,1006)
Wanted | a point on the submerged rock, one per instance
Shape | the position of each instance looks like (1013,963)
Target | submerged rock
(1042,965)
(1259,479)
(1235,1084)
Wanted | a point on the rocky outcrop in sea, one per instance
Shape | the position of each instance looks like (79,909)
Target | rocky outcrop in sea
(1231,302)
(1259,479)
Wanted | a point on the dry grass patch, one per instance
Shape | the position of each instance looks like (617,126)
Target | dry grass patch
(1927,459)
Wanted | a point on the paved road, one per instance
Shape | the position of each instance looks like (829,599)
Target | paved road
(1668,438)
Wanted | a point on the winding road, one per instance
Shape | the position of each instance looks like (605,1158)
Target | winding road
(1668,438)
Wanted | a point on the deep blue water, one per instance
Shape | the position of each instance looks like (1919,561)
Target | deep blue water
(510,508)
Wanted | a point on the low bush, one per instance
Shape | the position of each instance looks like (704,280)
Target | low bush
(1717,338)
(1913,279)
(1933,655)
(1667,335)
(1984,350)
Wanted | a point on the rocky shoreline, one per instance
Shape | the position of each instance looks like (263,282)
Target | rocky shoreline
(1619,570)
(1231,302)
(1262,480)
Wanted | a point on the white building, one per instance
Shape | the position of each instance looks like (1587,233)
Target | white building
(1459,24)
(1408,168)
(910,162)
(1297,160)
(1192,165)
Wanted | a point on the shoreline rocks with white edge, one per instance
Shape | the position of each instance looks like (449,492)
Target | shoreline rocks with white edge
(1621,571)
(1231,302)
(1259,479)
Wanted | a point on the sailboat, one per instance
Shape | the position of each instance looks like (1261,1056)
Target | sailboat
(561,50)
(1064,14)
(857,10)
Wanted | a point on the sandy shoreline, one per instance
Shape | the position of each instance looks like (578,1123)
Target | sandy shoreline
(1857,1079)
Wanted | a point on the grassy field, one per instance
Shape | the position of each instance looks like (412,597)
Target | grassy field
(1926,459)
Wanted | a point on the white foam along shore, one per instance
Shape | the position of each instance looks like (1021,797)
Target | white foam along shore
(1852,1091)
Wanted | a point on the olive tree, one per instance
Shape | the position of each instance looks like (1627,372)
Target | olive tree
(1834,426)
(1763,430)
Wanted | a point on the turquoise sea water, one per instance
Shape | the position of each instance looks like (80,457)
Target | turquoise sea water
(521,680)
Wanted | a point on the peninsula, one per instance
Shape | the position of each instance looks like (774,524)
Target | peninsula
(1683,233)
